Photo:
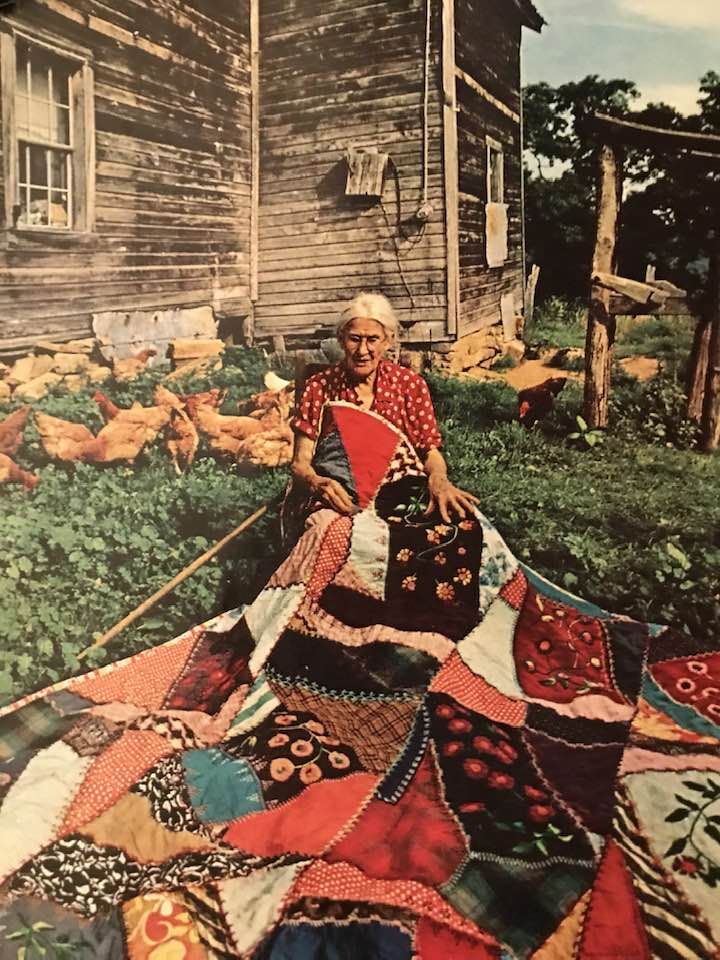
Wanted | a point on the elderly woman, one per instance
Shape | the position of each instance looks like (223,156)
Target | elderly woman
(367,330)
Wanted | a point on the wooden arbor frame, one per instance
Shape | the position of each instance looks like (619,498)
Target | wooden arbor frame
(611,295)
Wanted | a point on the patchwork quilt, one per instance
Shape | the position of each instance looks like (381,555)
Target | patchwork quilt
(409,747)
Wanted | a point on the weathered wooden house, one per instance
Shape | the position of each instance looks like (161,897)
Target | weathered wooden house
(265,157)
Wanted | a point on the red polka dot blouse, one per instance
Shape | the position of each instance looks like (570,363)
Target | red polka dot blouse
(401,396)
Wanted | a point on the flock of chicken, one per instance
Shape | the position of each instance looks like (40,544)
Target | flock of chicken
(261,436)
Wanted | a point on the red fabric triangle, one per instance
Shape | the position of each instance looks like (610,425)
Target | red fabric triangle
(306,824)
(369,445)
(413,839)
(436,942)
(613,924)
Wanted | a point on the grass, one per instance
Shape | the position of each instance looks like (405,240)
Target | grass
(614,523)
(561,324)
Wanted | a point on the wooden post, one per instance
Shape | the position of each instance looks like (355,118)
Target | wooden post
(254,145)
(698,368)
(601,324)
(711,403)
(450,165)
(530,290)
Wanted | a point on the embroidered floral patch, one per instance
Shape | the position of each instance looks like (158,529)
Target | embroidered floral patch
(291,750)
(491,784)
(561,653)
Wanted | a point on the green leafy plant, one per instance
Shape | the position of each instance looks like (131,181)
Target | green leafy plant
(586,435)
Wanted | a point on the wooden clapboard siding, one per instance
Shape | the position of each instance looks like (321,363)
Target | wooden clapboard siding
(488,91)
(172,118)
(334,75)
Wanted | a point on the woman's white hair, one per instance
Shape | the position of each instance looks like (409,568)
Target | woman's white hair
(370,306)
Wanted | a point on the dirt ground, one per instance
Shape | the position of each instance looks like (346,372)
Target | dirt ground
(528,373)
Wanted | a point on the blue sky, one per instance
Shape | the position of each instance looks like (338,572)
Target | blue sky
(663,45)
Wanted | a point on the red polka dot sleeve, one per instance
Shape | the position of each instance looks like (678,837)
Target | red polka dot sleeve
(307,420)
(423,430)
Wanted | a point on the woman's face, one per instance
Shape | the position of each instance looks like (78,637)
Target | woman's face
(364,343)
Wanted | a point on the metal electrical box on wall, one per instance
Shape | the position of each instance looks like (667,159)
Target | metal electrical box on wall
(366,172)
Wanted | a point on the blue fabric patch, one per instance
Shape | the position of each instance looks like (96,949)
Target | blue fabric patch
(221,788)
(403,769)
(331,460)
(684,716)
(354,941)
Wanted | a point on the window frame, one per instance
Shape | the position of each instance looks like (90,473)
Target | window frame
(494,146)
(82,136)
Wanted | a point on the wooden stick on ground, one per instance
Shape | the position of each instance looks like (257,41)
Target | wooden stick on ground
(171,584)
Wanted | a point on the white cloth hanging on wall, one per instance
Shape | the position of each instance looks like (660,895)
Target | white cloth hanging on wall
(496,233)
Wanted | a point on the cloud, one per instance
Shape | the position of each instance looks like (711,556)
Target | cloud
(678,14)
(682,96)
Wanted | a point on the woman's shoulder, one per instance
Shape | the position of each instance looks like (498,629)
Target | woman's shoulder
(325,377)
(400,375)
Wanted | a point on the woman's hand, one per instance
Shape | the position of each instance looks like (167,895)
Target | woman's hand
(333,494)
(446,498)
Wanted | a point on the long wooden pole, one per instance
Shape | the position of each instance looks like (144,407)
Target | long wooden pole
(601,323)
(171,584)
(711,403)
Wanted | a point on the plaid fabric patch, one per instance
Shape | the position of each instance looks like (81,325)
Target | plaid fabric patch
(33,726)
(375,729)
(91,735)
(522,906)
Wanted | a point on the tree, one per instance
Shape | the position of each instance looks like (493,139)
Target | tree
(671,201)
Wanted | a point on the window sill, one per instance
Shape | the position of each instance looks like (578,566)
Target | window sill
(35,238)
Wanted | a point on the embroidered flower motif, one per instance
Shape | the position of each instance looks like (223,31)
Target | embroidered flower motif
(475,769)
(541,813)
(532,793)
(687,865)
(461,551)
(459,725)
(506,753)
(409,583)
(442,528)
(475,806)
(314,726)
(452,748)
(281,769)
(466,524)
(285,719)
(483,745)
(444,711)
(685,685)
(501,781)
(433,536)
(440,559)
(463,576)
(697,666)
(302,748)
(279,740)
(404,555)
(339,760)
(310,773)
(445,591)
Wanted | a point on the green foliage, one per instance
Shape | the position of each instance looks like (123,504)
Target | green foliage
(654,411)
(607,522)
(585,436)
(91,543)
(558,322)
(669,216)
(668,339)
(612,522)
